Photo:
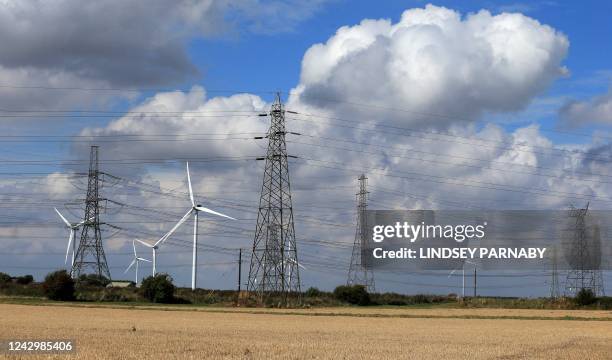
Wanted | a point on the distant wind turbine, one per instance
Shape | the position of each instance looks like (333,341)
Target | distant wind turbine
(156,245)
(291,268)
(136,261)
(463,276)
(73,227)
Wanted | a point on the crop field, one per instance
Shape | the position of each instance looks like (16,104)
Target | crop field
(348,333)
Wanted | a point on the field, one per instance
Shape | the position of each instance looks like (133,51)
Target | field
(103,332)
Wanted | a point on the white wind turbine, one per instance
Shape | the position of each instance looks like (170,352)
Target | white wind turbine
(73,227)
(463,275)
(293,261)
(136,261)
(195,209)
(156,245)
(290,269)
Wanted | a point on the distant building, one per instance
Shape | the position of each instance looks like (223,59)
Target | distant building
(120,284)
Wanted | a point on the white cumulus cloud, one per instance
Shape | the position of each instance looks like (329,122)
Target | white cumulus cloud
(434,60)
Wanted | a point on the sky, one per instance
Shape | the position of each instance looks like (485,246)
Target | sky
(478,105)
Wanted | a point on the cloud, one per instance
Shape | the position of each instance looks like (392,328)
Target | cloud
(268,17)
(595,110)
(523,7)
(27,202)
(131,43)
(36,88)
(433,61)
(189,125)
(120,44)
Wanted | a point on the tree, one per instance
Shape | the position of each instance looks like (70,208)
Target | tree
(24,280)
(93,280)
(59,285)
(585,297)
(312,292)
(158,288)
(4,278)
(355,294)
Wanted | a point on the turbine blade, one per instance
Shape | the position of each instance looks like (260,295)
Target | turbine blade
(207,210)
(69,242)
(63,218)
(298,264)
(129,267)
(460,267)
(84,221)
(178,224)
(134,247)
(144,243)
(143,259)
(190,189)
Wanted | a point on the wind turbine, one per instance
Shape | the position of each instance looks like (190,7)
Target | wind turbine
(195,209)
(463,277)
(294,262)
(136,261)
(73,227)
(156,245)
(290,269)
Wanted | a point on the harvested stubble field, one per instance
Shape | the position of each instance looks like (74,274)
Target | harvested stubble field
(170,333)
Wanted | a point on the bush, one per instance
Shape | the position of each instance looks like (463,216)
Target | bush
(59,285)
(585,297)
(94,280)
(4,278)
(421,299)
(604,303)
(355,294)
(158,288)
(24,280)
(312,292)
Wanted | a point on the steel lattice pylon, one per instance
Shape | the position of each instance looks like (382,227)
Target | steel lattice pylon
(274,263)
(585,257)
(90,253)
(359,274)
(554,276)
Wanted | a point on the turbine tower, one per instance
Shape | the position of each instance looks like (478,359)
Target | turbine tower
(359,274)
(90,252)
(274,268)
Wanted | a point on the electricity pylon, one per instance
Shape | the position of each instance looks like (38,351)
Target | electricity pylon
(274,268)
(90,253)
(359,274)
(554,276)
(585,258)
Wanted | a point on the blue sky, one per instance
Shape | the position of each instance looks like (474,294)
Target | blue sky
(252,47)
